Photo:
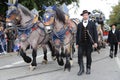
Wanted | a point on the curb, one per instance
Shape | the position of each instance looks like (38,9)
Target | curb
(8,54)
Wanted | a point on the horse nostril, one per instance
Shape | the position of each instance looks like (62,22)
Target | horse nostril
(46,23)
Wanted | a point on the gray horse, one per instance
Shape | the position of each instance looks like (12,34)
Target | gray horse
(29,33)
(62,35)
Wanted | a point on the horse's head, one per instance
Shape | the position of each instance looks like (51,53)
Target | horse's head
(49,18)
(35,14)
(52,13)
(13,16)
(17,14)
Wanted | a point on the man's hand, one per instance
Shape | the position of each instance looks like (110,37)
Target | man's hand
(76,46)
(95,45)
(118,42)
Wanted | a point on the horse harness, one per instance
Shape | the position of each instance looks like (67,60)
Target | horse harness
(24,33)
(61,35)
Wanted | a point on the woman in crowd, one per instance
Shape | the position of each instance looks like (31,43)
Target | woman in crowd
(2,40)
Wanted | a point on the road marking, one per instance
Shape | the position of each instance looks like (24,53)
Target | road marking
(19,62)
(117,61)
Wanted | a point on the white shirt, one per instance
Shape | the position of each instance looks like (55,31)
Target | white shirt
(85,23)
(113,31)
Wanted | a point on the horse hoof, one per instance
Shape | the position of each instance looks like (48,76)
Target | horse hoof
(32,68)
(64,69)
(67,66)
(63,55)
(27,59)
(67,69)
(54,58)
(71,62)
(44,62)
(61,62)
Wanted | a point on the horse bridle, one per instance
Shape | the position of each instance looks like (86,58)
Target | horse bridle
(13,22)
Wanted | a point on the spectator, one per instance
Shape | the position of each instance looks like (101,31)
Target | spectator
(10,40)
(2,41)
(113,40)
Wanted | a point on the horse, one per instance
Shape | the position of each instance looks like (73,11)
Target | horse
(62,37)
(44,47)
(100,36)
(72,23)
(29,33)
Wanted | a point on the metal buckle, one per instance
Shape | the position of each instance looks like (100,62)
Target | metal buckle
(48,29)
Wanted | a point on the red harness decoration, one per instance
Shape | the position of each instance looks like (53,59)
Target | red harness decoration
(67,32)
(34,28)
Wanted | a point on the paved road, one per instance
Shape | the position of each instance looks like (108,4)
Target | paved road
(12,67)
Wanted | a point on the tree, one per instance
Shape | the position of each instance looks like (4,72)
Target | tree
(35,4)
(115,15)
(3,6)
(38,4)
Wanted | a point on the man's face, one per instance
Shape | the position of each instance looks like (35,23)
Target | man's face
(113,27)
(85,16)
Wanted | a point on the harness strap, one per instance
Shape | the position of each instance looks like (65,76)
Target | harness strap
(66,32)
(58,35)
(28,31)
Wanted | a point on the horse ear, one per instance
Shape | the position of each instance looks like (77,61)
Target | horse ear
(54,7)
(44,7)
(16,3)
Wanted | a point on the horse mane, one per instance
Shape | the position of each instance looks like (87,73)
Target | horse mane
(25,10)
(26,15)
(60,15)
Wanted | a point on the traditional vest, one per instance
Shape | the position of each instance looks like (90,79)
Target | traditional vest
(84,36)
(114,38)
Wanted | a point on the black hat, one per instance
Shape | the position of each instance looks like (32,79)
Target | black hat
(84,12)
(113,25)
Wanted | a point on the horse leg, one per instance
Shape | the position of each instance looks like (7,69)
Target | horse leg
(71,52)
(69,60)
(59,58)
(62,52)
(26,58)
(52,49)
(33,64)
(45,55)
(73,48)
(67,65)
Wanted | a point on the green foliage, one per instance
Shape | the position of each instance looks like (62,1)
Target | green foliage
(35,4)
(115,16)
(3,7)
(39,3)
